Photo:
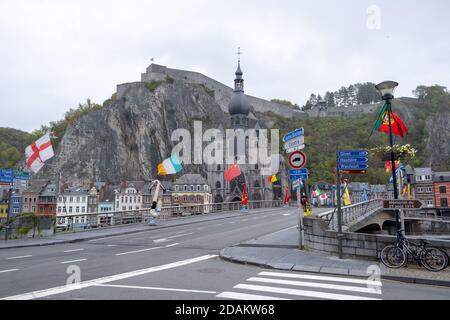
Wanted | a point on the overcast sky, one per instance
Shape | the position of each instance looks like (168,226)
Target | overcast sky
(55,54)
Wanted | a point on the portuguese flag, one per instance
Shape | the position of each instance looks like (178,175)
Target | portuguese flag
(382,124)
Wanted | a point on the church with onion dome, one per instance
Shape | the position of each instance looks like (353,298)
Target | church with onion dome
(258,186)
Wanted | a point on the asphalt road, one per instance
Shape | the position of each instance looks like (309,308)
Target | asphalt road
(180,262)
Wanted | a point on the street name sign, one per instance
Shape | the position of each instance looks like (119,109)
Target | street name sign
(6,175)
(353,166)
(295,149)
(294,134)
(352,153)
(298,177)
(294,143)
(298,171)
(353,160)
(402,204)
(297,160)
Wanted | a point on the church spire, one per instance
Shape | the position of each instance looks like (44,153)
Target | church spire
(239,81)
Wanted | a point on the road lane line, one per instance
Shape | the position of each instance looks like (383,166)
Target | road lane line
(315,285)
(303,293)
(73,250)
(232,222)
(323,278)
(73,261)
(112,245)
(137,251)
(10,270)
(85,284)
(154,288)
(19,257)
(172,237)
(245,296)
(172,245)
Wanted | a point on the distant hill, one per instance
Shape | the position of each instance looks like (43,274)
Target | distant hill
(12,145)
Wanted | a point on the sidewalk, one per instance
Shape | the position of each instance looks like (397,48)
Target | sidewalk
(279,250)
(71,237)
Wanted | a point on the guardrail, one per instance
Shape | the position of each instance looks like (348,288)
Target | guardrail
(71,221)
(351,213)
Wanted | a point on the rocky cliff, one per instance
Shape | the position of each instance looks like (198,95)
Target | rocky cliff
(129,137)
(438,128)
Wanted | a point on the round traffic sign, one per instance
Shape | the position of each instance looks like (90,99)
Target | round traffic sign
(297,160)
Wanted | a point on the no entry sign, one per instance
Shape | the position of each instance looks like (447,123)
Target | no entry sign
(297,160)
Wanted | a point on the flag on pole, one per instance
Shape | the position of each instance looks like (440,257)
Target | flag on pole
(38,152)
(287,197)
(232,172)
(382,123)
(171,165)
(272,178)
(388,165)
(244,200)
(346,195)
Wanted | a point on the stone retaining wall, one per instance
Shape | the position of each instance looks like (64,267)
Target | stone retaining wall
(354,245)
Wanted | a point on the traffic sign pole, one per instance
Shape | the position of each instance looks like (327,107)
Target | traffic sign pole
(339,204)
(301,214)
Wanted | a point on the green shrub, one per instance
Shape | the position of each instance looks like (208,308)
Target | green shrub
(169,79)
(23,231)
(153,85)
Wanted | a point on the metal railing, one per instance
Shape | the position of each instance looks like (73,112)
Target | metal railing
(74,221)
(352,212)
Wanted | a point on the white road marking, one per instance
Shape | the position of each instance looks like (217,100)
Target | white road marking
(244,296)
(10,270)
(19,257)
(112,245)
(303,293)
(232,222)
(286,214)
(172,245)
(154,288)
(73,250)
(85,284)
(137,251)
(172,237)
(315,285)
(323,278)
(73,261)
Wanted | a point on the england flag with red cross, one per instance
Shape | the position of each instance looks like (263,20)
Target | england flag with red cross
(38,152)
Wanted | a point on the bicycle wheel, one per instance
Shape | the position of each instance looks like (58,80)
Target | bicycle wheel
(434,259)
(393,256)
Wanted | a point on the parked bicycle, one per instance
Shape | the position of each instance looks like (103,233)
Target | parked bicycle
(397,256)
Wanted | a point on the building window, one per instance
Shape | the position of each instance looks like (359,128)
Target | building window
(218,167)
(185,187)
(77,209)
(192,188)
(429,189)
(70,209)
(199,188)
(443,189)
(59,209)
(176,188)
(83,209)
(430,202)
(83,199)
(444,202)
(205,187)
(71,199)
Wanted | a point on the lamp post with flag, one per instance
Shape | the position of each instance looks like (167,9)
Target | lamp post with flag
(387,89)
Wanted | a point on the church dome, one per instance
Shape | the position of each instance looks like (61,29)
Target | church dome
(239,104)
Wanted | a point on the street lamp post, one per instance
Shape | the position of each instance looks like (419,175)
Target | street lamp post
(387,89)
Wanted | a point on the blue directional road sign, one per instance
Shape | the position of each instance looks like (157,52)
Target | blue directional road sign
(6,175)
(21,175)
(353,160)
(353,166)
(352,153)
(300,172)
(298,177)
(294,134)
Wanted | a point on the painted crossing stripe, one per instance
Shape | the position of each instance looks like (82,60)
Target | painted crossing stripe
(315,285)
(303,293)
(90,283)
(323,278)
(245,296)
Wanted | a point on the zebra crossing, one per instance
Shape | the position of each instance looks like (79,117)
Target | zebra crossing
(269,285)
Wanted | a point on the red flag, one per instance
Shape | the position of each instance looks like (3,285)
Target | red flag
(398,127)
(232,172)
(244,200)
(287,197)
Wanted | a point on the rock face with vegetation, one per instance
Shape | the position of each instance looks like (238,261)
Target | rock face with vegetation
(128,137)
